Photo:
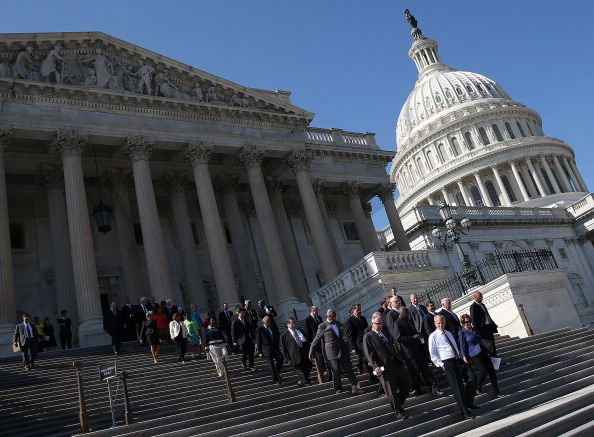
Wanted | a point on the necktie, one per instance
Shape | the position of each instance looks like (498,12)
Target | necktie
(297,339)
(383,337)
(270,332)
(421,312)
(454,348)
(29,331)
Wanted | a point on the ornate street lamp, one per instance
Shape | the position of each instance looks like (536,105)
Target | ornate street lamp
(451,230)
(102,212)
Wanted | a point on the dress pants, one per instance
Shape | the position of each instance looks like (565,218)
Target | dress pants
(303,370)
(66,340)
(247,354)
(274,361)
(338,366)
(482,365)
(29,352)
(396,383)
(181,344)
(455,371)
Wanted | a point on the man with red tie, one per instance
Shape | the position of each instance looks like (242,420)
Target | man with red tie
(25,337)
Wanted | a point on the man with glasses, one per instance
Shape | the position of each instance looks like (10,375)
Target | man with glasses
(388,365)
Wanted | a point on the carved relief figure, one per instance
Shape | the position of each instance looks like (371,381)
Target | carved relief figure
(211,95)
(166,89)
(145,73)
(236,100)
(50,65)
(197,93)
(24,64)
(102,68)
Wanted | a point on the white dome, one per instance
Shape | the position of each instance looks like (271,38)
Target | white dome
(439,90)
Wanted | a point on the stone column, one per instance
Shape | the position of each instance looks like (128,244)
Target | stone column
(506,198)
(90,328)
(467,199)
(547,169)
(368,209)
(572,176)
(120,182)
(483,190)
(198,153)
(139,150)
(536,178)
(226,186)
(446,196)
(7,295)
(176,186)
(516,173)
(353,189)
(52,177)
(386,195)
(529,183)
(319,189)
(299,162)
(562,176)
(430,200)
(252,157)
(285,233)
(578,175)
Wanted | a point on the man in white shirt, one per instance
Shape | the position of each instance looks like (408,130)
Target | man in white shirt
(444,353)
(295,348)
(25,336)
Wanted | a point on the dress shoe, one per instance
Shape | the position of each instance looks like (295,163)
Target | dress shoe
(300,384)
(244,366)
(338,391)
(435,391)
(400,415)
(356,389)
(473,407)
(466,415)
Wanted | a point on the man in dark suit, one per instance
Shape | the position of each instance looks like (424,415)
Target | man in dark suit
(354,329)
(268,347)
(140,311)
(225,320)
(310,328)
(388,365)
(65,326)
(266,310)
(113,323)
(25,337)
(129,317)
(428,323)
(251,315)
(243,337)
(331,333)
(484,323)
(295,347)
(451,319)
(391,316)
(417,312)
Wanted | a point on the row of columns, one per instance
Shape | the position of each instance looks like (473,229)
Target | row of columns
(527,177)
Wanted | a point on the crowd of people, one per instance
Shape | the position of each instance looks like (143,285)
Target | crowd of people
(400,349)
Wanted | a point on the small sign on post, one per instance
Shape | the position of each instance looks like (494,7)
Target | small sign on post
(107,371)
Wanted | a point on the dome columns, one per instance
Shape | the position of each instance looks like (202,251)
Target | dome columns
(506,199)
(465,196)
(519,181)
(562,175)
(536,177)
(547,169)
(483,190)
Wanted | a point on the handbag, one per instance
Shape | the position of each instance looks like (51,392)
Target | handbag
(16,348)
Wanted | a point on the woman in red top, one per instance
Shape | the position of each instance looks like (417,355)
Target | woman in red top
(160,319)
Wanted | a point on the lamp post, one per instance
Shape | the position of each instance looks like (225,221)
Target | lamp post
(454,229)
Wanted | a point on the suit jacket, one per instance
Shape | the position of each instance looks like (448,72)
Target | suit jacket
(20,333)
(266,343)
(412,348)
(129,316)
(294,354)
(140,314)
(354,329)
(390,318)
(334,345)
(224,321)
(241,332)
(417,313)
(378,353)
(452,321)
(428,324)
(478,314)
(113,324)
(310,326)
(251,316)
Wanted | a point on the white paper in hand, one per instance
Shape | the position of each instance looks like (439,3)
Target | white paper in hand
(496,362)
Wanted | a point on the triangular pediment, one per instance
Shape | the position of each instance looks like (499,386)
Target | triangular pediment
(100,63)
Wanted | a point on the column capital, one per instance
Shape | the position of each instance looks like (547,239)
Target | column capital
(198,152)
(386,192)
(224,183)
(119,179)
(299,160)
(51,176)
(251,156)
(138,148)
(275,184)
(5,134)
(352,188)
(367,208)
(69,143)
(174,182)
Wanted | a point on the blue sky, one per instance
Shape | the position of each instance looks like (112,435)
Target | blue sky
(347,61)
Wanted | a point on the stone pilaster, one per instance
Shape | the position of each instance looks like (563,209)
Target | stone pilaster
(198,154)
(386,195)
(353,191)
(7,295)
(251,157)
(139,150)
(194,287)
(299,162)
(319,189)
(71,146)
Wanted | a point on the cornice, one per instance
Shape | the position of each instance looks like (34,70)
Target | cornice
(352,156)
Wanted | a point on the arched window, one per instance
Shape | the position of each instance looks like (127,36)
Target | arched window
(484,137)
(431,159)
(442,152)
(476,196)
(508,188)
(413,172)
(455,147)
(509,130)
(520,128)
(492,193)
(459,90)
(497,132)
(469,142)
(459,199)
(421,166)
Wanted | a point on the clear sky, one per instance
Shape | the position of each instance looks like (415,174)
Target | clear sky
(347,61)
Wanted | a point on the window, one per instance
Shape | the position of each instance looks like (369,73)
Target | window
(459,199)
(520,128)
(138,235)
(469,142)
(455,148)
(484,137)
(421,166)
(480,88)
(562,253)
(195,234)
(350,231)
(509,131)
(431,159)
(469,88)
(476,196)
(17,235)
(508,188)
(448,94)
(492,193)
(437,98)
(497,132)
(442,153)
(459,90)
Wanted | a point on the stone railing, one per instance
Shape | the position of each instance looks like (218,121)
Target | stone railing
(581,206)
(338,137)
(370,266)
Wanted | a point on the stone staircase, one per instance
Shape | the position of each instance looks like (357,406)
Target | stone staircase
(548,382)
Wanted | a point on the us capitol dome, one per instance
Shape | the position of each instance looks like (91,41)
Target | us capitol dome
(462,140)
